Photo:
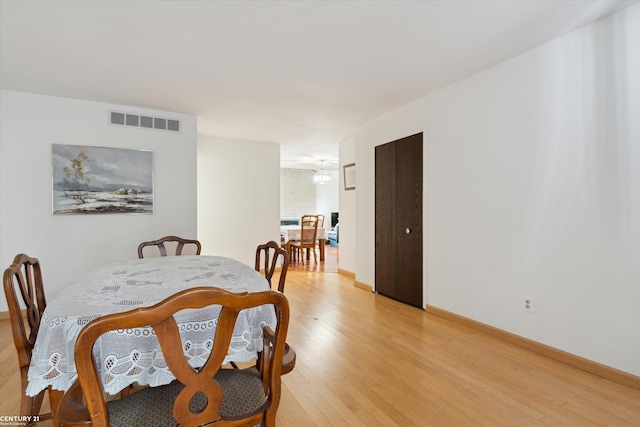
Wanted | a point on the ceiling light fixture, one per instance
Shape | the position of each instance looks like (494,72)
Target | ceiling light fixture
(321,177)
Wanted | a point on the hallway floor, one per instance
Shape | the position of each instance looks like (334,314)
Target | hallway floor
(329,265)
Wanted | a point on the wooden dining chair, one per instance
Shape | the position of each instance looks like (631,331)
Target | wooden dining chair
(23,283)
(209,395)
(180,242)
(269,253)
(308,237)
(320,224)
(320,220)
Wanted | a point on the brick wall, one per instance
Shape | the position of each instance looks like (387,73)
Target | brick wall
(297,193)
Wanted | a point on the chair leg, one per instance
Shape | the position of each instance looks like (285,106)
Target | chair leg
(55,397)
(287,247)
(29,405)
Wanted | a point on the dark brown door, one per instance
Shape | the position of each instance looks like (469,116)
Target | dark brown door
(398,223)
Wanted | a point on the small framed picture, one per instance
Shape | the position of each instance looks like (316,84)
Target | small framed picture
(349,176)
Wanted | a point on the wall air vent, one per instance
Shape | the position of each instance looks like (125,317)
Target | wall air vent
(147,122)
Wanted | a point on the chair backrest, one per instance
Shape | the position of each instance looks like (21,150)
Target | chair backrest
(23,283)
(320,219)
(269,253)
(196,382)
(308,229)
(163,250)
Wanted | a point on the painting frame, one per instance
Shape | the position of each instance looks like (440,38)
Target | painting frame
(349,173)
(89,180)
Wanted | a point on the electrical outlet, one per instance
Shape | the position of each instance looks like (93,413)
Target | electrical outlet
(527,303)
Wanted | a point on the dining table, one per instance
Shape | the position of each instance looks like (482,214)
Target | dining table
(292,233)
(129,356)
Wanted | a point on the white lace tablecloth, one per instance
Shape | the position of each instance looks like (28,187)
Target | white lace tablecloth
(134,355)
(292,232)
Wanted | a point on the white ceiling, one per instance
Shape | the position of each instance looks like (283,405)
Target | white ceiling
(302,74)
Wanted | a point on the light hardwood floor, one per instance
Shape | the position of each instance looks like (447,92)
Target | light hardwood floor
(366,360)
(329,265)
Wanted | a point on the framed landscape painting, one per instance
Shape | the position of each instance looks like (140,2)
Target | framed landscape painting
(98,180)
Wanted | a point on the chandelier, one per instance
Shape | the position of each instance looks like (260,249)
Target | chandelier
(321,177)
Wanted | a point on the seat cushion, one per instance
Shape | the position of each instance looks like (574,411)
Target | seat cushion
(153,406)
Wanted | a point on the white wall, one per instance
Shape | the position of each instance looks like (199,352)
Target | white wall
(70,245)
(348,209)
(327,199)
(238,196)
(532,187)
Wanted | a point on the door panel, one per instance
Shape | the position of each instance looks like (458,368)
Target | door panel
(409,218)
(385,208)
(398,224)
